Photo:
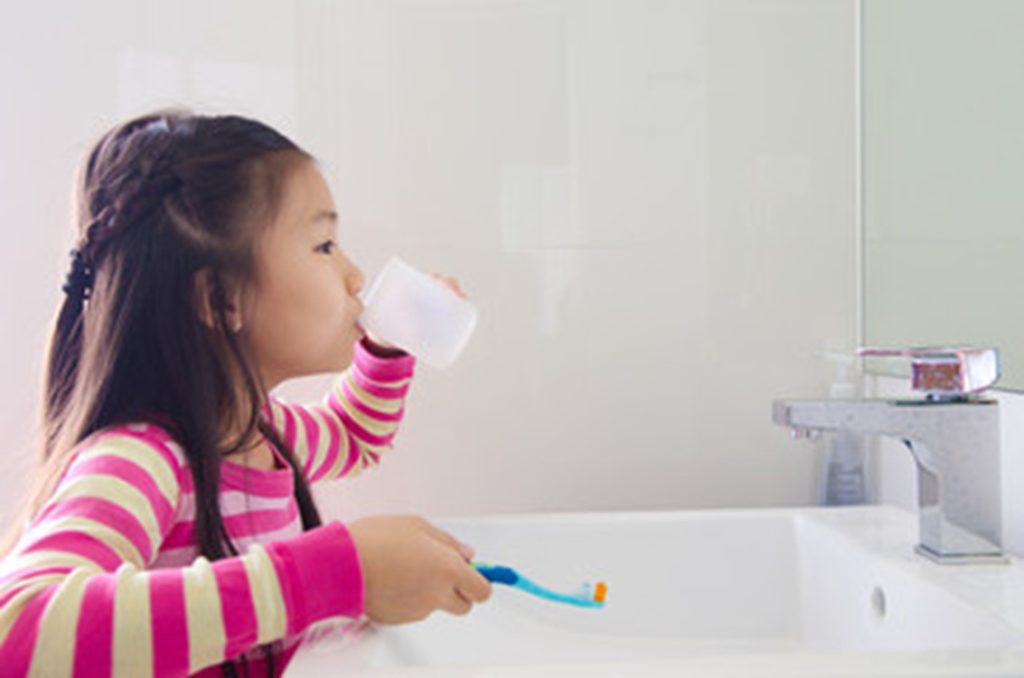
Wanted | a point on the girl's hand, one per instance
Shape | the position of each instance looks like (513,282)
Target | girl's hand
(411,569)
(450,283)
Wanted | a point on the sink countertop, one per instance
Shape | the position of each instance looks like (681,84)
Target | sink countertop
(964,620)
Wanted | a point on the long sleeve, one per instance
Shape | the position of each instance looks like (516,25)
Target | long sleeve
(354,425)
(75,598)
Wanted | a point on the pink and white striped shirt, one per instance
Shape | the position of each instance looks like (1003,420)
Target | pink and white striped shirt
(106,579)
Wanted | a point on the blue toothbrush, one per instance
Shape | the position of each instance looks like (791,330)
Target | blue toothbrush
(587,596)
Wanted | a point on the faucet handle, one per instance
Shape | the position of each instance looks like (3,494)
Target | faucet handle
(946,372)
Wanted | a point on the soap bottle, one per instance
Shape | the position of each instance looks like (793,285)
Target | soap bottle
(843,482)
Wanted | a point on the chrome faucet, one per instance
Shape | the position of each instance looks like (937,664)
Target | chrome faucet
(955,444)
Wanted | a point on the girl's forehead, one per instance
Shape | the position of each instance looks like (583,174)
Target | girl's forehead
(307,199)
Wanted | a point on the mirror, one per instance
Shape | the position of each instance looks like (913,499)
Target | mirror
(943,168)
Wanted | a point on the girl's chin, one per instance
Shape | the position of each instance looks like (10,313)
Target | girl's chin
(348,352)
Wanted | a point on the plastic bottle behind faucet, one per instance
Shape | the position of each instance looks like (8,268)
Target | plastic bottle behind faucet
(843,482)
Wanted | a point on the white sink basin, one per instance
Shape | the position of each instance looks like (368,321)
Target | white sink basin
(791,592)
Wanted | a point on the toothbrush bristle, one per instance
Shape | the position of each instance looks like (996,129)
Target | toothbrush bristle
(600,592)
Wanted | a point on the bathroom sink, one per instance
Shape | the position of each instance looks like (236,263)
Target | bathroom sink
(779,591)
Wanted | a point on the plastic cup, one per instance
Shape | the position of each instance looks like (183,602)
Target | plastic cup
(418,314)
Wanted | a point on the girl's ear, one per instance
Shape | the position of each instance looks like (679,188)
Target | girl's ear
(210,294)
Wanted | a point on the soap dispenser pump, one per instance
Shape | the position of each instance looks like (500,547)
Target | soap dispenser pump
(843,482)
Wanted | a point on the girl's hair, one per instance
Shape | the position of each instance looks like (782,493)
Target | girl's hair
(163,201)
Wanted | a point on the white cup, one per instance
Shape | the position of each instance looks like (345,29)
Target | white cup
(418,314)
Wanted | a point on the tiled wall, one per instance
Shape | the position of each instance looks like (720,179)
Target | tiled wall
(652,204)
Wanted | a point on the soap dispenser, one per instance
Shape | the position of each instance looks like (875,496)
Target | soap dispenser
(843,478)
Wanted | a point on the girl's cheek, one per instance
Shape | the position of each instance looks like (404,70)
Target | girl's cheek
(347,305)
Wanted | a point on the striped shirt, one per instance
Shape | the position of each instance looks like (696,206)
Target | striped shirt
(106,579)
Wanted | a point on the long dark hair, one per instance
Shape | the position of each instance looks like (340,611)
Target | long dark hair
(162,200)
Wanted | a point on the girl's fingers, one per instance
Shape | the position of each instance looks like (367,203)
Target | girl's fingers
(450,283)
(457,604)
(473,586)
(466,551)
(469,586)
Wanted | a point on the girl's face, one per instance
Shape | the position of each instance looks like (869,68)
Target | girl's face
(301,314)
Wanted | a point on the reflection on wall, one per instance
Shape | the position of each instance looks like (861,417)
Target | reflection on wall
(943,164)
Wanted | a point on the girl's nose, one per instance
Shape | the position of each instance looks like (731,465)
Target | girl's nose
(356,280)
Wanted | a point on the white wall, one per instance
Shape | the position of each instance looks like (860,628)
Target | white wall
(652,204)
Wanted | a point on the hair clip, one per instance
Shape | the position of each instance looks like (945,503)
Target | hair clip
(79,279)
(156,126)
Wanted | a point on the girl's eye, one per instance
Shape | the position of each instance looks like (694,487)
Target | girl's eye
(326,247)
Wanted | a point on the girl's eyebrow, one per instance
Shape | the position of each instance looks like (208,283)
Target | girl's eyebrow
(325,215)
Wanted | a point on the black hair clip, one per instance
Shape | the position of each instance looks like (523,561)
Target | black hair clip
(79,280)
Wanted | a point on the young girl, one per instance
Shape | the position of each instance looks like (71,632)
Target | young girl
(172,530)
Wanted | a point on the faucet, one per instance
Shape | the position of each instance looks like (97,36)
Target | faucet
(955,444)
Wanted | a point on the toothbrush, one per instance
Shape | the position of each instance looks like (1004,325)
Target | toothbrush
(586,596)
